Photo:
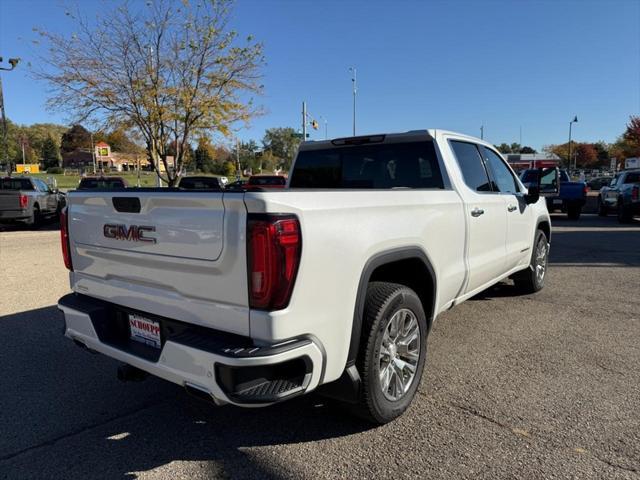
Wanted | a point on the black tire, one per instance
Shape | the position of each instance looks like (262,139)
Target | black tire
(602,208)
(36,218)
(529,280)
(574,211)
(383,301)
(624,213)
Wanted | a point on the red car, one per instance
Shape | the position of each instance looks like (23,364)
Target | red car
(266,181)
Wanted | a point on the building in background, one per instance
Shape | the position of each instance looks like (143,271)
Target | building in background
(521,161)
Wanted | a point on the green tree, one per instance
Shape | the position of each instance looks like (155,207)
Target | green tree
(503,148)
(171,70)
(282,143)
(527,149)
(75,138)
(205,155)
(119,140)
(50,153)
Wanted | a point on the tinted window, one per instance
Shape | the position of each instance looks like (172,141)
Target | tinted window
(472,166)
(200,183)
(381,166)
(42,186)
(101,183)
(529,176)
(564,177)
(632,178)
(267,180)
(502,177)
(15,184)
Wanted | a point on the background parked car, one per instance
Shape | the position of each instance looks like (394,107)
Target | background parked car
(622,195)
(237,185)
(267,181)
(572,196)
(597,183)
(28,200)
(102,183)
(201,183)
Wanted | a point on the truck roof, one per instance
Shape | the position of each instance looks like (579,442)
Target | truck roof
(410,135)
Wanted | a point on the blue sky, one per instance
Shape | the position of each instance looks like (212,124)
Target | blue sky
(443,64)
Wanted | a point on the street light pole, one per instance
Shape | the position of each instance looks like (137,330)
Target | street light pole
(5,144)
(93,154)
(326,136)
(355,90)
(575,120)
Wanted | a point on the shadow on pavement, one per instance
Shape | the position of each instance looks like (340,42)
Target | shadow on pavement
(46,226)
(64,414)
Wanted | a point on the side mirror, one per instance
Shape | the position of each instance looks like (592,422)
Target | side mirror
(532,195)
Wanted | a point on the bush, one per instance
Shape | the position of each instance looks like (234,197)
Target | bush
(55,170)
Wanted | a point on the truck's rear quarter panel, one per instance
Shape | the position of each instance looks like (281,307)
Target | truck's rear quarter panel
(341,230)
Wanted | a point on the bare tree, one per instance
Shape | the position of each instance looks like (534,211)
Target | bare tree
(168,70)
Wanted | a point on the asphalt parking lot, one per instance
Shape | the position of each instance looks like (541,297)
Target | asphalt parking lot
(540,386)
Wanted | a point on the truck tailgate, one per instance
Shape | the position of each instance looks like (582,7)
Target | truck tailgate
(177,254)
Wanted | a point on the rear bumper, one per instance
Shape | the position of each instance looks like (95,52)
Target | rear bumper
(14,215)
(229,368)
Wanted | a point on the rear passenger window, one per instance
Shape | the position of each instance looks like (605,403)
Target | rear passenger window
(380,166)
(472,166)
(502,177)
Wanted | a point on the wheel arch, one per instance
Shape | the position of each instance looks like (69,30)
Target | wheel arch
(544,225)
(408,266)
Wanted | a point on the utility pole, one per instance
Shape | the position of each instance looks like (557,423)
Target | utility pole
(326,136)
(481,132)
(520,136)
(575,120)
(238,175)
(5,143)
(304,121)
(93,154)
(355,90)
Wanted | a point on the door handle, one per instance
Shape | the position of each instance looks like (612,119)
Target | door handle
(512,208)
(476,212)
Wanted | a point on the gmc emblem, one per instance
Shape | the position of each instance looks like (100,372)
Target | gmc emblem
(133,233)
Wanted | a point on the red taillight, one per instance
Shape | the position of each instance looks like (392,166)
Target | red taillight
(24,201)
(64,238)
(585,189)
(635,193)
(274,244)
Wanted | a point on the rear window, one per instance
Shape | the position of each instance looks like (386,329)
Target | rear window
(200,183)
(101,183)
(632,178)
(15,184)
(381,166)
(267,181)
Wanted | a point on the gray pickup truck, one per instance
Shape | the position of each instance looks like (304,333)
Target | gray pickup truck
(622,195)
(28,200)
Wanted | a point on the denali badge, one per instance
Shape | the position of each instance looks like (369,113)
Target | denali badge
(133,233)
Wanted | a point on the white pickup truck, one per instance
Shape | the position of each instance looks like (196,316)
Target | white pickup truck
(331,284)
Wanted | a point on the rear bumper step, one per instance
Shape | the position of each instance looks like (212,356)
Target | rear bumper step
(231,368)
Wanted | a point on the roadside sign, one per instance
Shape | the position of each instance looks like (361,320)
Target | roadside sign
(614,163)
(299,135)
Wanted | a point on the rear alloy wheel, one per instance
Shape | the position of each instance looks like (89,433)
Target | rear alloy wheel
(602,208)
(574,211)
(36,218)
(532,279)
(393,351)
(624,213)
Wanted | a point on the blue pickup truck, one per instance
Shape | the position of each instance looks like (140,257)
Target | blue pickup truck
(622,195)
(570,199)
